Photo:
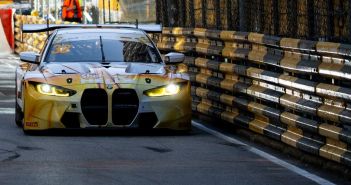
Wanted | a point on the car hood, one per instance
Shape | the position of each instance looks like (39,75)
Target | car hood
(92,73)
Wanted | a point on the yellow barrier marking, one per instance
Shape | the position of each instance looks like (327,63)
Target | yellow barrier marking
(202,78)
(202,48)
(290,138)
(290,43)
(256,108)
(290,62)
(258,126)
(255,90)
(200,32)
(229,116)
(203,108)
(207,72)
(256,37)
(177,31)
(287,80)
(329,47)
(228,84)
(257,56)
(333,149)
(331,153)
(289,101)
(227,35)
(261,118)
(228,52)
(227,99)
(330,131)
(201,62)
(331,113)
(333,69)
(289,118)
(226,67)
(327,89)
(202,92)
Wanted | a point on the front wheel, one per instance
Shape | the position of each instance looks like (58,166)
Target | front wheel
(18,112)
(18,116)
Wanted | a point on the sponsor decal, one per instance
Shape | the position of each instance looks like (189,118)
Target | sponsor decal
(32,124)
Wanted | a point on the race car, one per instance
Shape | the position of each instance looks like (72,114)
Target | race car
(101,76)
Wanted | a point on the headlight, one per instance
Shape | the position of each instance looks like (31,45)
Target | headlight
(52,90)
(167,90)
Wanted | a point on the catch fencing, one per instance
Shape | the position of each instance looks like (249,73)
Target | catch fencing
(322,20)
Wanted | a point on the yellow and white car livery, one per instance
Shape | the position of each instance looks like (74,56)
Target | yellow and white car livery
(101,77)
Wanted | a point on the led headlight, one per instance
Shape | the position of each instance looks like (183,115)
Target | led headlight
(167,90)
(52,90)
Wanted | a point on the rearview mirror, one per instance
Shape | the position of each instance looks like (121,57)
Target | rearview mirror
(174,58)
(30,57)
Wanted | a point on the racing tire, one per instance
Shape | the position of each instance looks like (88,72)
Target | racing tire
(18,112)
(18,116)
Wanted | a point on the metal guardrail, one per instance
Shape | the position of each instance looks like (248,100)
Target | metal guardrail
(291,90)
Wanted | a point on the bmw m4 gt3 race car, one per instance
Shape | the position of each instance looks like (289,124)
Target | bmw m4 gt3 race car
(98,76)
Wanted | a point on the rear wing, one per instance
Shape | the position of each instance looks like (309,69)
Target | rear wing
(33,28)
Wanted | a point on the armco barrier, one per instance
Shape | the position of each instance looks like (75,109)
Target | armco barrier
(291,90)
(294,91)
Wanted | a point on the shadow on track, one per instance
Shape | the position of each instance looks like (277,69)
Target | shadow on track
(112,132)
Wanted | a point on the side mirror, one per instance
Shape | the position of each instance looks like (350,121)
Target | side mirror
(30,57)
(174,58)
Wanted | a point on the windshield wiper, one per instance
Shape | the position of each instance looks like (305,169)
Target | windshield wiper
(103,58)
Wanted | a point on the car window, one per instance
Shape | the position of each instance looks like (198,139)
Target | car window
(91,47)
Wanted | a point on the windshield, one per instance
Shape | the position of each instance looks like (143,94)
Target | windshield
(102,47)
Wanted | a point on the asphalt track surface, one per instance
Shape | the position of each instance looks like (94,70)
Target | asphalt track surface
(134,157)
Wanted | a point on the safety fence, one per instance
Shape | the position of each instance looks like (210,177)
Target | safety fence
(291,90)
(294,91)
(326,20)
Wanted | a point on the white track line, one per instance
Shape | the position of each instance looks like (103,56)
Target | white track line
(7,111)
(8,86)
(7,81)
(7,101)
(265,155)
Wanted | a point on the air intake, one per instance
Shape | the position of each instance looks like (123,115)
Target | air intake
(94,106)
(125,105)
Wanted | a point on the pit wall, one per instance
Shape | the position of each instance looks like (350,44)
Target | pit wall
(290,90)
(294,91)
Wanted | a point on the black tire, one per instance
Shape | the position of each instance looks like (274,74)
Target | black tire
(18,111)
(18,116)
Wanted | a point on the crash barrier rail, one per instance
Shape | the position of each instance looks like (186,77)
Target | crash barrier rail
(294,91)
(291,90)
